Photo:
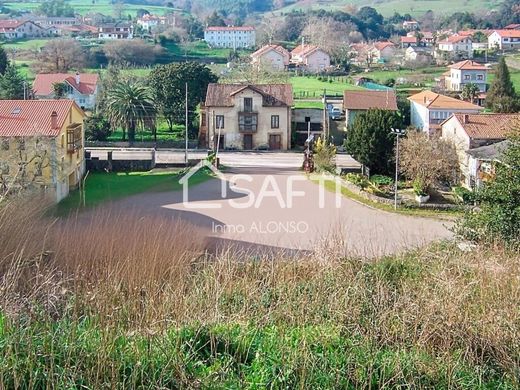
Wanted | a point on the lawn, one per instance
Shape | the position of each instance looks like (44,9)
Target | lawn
(308,104)
(197,49)
(424,76)
(311,87)
(163,134)
(102,187)
(25,44)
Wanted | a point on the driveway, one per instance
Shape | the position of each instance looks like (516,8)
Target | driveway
(277,207)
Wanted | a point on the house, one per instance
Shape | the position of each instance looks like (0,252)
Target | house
(429,109)
(466,72)
(76,30)
(455,46)
(355,102)
(231,37)
(305,120)
(274,56)
(310,58)
(81,87)
(384,51)
(419,54)
(412,39)
(482,162)
(409,41)
(17,29)
(149,22)
(55,21)
(504,39)
(247,116)
(410,25)
(468,132)
(41,146)
(118,30)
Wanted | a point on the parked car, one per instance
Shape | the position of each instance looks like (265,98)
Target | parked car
(335,114)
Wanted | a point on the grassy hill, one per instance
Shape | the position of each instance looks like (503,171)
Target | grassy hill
(388,7)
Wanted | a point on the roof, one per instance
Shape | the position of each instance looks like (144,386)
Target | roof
(23,118)
(267,48)
(383,45)
(408,39)
(274,95)
(508,33)
(468,65)
(434,100)
(488,126)
(365,100)
(10,23)
(304,50)
(231,28)
(455,38)
(492,152)
(43,82)
(513,26)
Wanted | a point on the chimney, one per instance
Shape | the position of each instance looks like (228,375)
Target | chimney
(465,118)
(77,78)
(54,120)
(425,100)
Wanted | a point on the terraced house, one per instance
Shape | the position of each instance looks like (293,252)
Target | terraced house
(41,147)
(231,36)
(247,117)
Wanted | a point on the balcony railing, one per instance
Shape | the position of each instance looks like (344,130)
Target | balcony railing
(74,138)
(248,122)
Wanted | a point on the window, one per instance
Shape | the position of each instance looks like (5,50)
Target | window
(275,121)
(480,77)
(467,77)
(219,121)
(248,104)
(247,122)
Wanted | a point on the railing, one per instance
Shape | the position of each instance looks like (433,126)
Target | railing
(74,138)
(248,122)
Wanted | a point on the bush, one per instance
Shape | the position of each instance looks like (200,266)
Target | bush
(381,180)
(358,180)
(97,128)
(324,154)
(464,195)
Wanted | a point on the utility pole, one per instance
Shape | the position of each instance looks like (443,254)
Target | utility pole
(186,130)
(398,133)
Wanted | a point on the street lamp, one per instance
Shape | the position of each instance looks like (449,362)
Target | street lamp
(398,133)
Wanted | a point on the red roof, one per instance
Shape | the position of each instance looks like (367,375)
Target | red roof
(25,118)
(455,39)
(10,23)
(267,48)
(365,100)
(383,45)
(508,33)
(408,39)
(488,126)
(468,65)
(231,28)
(42,85)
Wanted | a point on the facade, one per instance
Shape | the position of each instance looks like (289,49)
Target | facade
(428,110)
(82,88)
(418,54)
(356,102)
(18,29)
(41,146)
(466,72)
(247,117)
(48,21)
(310,58)
(455,46)
(410,25)
(116,31)
(482,162)
(504,39)
(149,22)
(383,51)
(231,37)
(468,132)
(274,56)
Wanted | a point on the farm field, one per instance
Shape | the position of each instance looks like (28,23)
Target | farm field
(311,87)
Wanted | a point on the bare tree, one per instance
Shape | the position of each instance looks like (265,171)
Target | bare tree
(327,33)
(262,73)
(60,56)
(135,52)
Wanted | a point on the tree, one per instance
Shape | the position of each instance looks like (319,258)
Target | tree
(370,141)
(4,61)
(60,90)
(97,128)
(135,51)
(498,217)
(502,96)
(61,56)
(11,84)
(470,92)
(324,155)
(130,107)
(215,20)
(168,84)
(56,8)
(427,160)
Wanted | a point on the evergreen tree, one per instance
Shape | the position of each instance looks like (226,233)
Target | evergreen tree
(11,84)
(502,96)
(4,62)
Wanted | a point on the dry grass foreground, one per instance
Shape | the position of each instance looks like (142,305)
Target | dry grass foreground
(122,302)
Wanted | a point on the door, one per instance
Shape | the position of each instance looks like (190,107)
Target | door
(220,143)
(275,141)
(248,141)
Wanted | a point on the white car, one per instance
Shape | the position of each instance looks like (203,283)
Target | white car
(335,114)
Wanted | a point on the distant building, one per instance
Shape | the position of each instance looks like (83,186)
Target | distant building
(18,29)
(310,58)
(504,39)
(356,102)
(242,116)
(274,56)
(482,162)
(429,109)
(466,72)
(81,87)
(409,25)
(116,31)
(419,54)
(149,22)
(455,47)
(53,21)
(231,37)
(41,146)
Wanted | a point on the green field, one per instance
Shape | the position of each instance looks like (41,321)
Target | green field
(310,87)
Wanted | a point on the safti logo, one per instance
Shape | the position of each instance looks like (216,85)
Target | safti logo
(284,195)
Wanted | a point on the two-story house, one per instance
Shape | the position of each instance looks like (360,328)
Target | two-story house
(247,117)
(18,29)
(504,39)
(455,47)
(83,88)
(466,72)
(310,58)
(429,109)
(356,102)
(273,56)
(41,146)
(469,131)
(118,30)
(231,36)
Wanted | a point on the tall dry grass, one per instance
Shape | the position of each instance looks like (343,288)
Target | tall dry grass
(132,275)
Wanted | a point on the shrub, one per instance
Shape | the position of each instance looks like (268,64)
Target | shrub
(324,154)
(358,180)
(464,195)
(97,128)
(381,180)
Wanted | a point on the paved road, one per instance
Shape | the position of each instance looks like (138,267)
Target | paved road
(262,214)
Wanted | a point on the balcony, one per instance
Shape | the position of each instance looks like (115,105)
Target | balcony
(74,138)
(247,122)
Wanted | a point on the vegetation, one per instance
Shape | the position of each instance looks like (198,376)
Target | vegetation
(56,8)
(324,156)
(4,61)
(502,96)
(11,84)
(97,128)
(60,56)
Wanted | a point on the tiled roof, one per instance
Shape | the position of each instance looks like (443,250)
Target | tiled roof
(383,45)
(275,95)
(364,100)
(408,39)
(493,152)
(468,65)
(43,82)
(24,118)
(231,28)
(304,50)
(513,26)
(434,100)
(488,126)
(508,33)
(455,39)
(267,48)
(10,23)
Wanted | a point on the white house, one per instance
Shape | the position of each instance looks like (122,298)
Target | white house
(149,22)
(274,56)
(17,29)
(116,31)
(504,39)
(231,37)
(310,57)
(82,88)
(455,46)
(466,72)
(429,109)
(409,25)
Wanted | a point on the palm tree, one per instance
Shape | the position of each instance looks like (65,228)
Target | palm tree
(470,92)
(130,107)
